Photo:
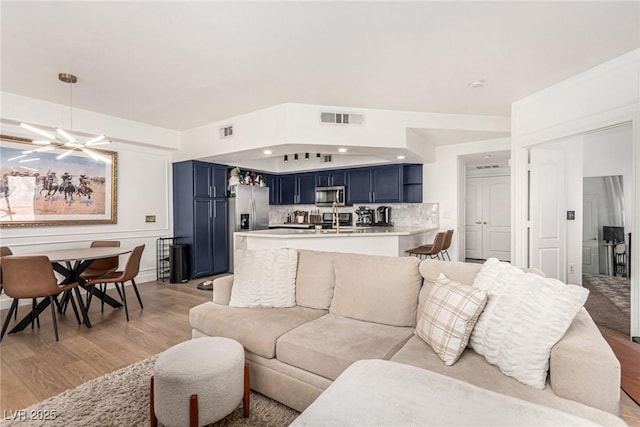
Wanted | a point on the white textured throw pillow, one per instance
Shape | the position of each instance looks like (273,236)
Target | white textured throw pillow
(264,278)
(525,316)
(450,311)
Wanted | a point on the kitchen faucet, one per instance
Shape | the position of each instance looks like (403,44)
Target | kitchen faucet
(335,222)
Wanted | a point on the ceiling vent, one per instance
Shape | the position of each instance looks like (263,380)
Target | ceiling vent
(487,166)
(226,132)
(341,118)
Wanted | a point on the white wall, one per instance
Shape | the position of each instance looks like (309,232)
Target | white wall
(144,188)
(441,183)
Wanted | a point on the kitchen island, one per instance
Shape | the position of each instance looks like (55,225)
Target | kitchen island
(389,241)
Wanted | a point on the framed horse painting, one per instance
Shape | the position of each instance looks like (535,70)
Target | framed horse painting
(56,184)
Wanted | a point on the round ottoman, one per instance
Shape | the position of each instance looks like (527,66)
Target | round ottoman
(199,382)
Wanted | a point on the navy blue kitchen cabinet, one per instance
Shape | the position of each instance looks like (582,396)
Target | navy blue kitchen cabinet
(386,184)
(274,189)
(209,181)
(359,185)
(200,215)
(412,184)
(297,189)
(395,183)
(288,189)
(380,184)
(306,188)
(331,178)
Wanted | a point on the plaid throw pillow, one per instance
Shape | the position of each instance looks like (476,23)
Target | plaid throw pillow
(450,312)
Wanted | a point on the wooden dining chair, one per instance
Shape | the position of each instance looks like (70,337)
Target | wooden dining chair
(4,251)
(130,271)
(431,251)
(101,267)
(33,277)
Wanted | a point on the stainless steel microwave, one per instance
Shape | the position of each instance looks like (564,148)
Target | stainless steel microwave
(326,196)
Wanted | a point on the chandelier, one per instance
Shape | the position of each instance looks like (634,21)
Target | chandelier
(64,139)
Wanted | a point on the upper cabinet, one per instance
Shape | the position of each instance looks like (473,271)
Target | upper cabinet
(382,184)
(386,184)
(331,178)
(297,189)
(397,183)
(209,180)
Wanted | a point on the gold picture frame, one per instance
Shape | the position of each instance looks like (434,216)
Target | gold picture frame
(39,187)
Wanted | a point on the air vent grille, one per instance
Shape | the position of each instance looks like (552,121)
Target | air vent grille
(226,132)
(341,118)
(487,166)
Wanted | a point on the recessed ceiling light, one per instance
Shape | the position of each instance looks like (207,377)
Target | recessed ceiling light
(486,156)
(401,157)
(267,152)
(342,150)
(475,84)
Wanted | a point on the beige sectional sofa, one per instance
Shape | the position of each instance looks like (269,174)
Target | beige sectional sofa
(352,307)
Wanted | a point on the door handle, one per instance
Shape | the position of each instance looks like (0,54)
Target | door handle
(485,222)
(478,222)
(215,212)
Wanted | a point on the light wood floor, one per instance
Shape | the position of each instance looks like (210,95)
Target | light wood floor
(34,367)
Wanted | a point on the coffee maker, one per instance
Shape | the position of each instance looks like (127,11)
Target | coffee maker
(365,217)
(383,216)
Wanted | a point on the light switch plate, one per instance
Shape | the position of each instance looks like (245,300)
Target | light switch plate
(150,218)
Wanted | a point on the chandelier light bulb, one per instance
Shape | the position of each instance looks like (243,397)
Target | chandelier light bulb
(38,131)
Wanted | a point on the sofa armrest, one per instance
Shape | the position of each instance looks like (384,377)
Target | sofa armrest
(583,367)
(222,290)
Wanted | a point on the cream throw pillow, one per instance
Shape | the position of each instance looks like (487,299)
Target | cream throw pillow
(450,311)
(264,278)
(525,316)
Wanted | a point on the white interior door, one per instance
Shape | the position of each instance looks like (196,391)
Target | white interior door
(496,217)
(547,206)
(473,218)
(590,250)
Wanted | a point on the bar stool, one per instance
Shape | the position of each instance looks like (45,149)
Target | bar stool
(447,244)
(432,251)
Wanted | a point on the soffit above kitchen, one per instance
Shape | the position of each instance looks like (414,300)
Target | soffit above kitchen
(181,65)
(298,137)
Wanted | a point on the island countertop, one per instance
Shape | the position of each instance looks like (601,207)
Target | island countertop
(293,233)
(389,241)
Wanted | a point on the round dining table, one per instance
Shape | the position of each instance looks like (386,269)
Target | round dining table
(71,263)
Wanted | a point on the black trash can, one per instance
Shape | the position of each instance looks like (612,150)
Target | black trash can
(178,264)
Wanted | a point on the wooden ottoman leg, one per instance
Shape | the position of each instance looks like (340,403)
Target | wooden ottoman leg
(152,412)
(193,411)
(245,398)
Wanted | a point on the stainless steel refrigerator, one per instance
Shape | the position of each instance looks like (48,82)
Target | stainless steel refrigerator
(248,211)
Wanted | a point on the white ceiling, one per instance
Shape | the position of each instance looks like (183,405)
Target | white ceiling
(183,64)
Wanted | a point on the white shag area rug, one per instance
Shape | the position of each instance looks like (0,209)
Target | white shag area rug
(121,398)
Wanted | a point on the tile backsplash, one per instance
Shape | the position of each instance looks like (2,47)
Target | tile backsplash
(402,214)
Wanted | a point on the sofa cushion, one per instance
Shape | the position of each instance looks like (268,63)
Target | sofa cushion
(377,289)
(264,278)
(328,345)
(448,317)
(525,316)
(315,279)
(257,329)
(474,369)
